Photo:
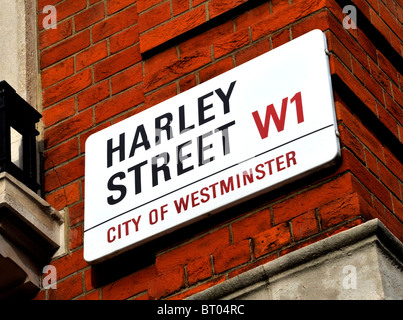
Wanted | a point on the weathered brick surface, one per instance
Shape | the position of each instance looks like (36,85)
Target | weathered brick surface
(108,60)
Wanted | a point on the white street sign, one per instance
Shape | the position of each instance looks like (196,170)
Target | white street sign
(250,130)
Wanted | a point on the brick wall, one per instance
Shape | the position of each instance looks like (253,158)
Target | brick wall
(108,60)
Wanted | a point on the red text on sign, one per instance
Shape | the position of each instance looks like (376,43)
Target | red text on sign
(278,121)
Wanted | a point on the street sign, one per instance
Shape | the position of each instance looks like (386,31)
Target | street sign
(248,131)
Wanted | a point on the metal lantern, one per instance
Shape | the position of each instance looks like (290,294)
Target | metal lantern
(18,153)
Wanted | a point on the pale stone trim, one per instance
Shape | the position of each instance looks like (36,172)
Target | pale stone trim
(18,47)
(316,271)
(31,232)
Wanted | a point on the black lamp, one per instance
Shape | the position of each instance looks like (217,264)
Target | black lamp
(18,155)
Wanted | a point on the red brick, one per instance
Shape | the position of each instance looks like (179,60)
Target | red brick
(64,9)
(113,6)
(232,256)
(272,239)
(114,24)
(124,39)
(393,163)
(51,36)
(206,39)
(252,265)
(166,284)
(366,44)
(161,95)
(57,72)
(397,94)
(387,67)
(91,55)
(76,213)
(380,24)
(351,142)
(370,181)
(129,285)
(319,20)
(84,136)
(250,17)
(116,63)
(280,19)
(83,187)
(363,6)
(322,235)
(280,38)
(396,43)
(344,209)
(172,28)
(361,92)
(399,13)
(64,197)
(69,7)
(179,6)
(390,20)
(63,175)
(335,46)
(279,5)
(75,237)
(251,225)
(353,123)
(68,288)
(59,112)
(65,48)
(230,43)
(197,2)
(311,199)
(140,297)
(69,263)
(389,220)
(216,69)
(394,108)
(146,4)
(198,270)
(43,3)
(357,69)
(88,280)
(356,184)
(62,153)
(198,247)
(201,287)
(373,87)
(127,78)
(89,16)
(371,162)
(349,42)
(93,95)
(41,295)
(173,68)
(187,83)
(397,208)
(218,7)
(388,179)
(304,225)
(119,103)
(256,49)
(67,87)
(91,296)
(69,128)
(130,113)
(160,62)
(388,120)
(154,16)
